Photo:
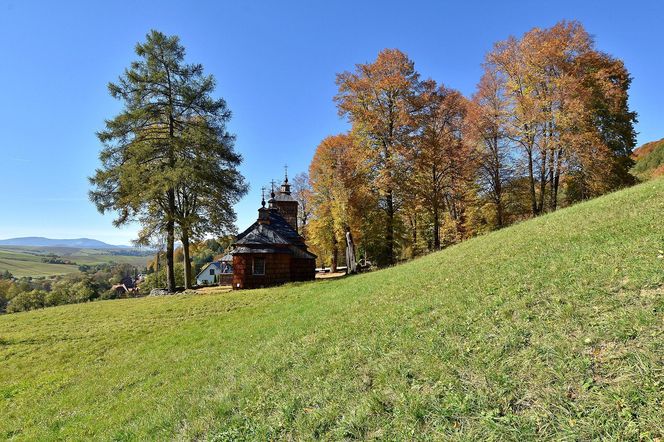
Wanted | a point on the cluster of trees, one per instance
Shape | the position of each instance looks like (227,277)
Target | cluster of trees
(424,167)
(202,253)
(168,160)
(55,259)
(32,293)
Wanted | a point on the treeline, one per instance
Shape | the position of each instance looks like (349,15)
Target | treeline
(94,283)
(424,167)
(55,259)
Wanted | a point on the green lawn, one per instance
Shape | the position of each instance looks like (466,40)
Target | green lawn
(26,261)
(551,329)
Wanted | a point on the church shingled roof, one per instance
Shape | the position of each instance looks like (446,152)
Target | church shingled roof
(278,231)
(280,196)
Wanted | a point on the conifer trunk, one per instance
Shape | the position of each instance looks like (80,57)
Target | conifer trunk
(170,244)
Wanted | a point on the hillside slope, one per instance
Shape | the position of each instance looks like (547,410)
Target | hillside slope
(548,329)
(649,160)
(28,260)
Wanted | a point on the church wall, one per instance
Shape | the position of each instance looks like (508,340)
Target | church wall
(277,270)
(303,269)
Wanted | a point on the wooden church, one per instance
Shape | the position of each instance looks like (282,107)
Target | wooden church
(271,251)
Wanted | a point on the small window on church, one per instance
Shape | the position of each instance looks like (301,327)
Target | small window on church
(212,272)
(259,266)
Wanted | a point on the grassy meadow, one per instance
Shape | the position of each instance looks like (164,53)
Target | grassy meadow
(553,329)
(27,261)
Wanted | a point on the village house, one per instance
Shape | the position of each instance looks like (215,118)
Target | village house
(271,251)
(128,286)
(220,272)
(209,274)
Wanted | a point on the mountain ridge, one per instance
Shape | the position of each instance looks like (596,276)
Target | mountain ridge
(40,241)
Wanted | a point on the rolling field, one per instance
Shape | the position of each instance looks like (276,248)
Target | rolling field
(551,329)
(20,263)
(26,261)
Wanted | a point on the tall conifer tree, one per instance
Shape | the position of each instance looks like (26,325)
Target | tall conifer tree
(168,122)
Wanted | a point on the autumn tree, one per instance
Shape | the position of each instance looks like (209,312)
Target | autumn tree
(567,109)
(524,118)
(302,193)
(341,197)
(438,157)
(486,133)
(145,149)
(608,119)
(377,98)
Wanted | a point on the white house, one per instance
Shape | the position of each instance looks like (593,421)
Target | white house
(209,274)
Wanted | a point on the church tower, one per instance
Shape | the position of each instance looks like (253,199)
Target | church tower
(286,204)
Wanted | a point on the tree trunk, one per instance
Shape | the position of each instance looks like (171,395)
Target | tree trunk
(498,195)
(543,181)
(156,277)
(497,183)
(170,244)
(335,253)
(170,216)
(187,261)
(413,226)
(389,234)
(436,226)
(552,174)
(531,182)
(555,184)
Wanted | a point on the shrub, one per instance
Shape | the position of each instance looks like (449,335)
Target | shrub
(25,301)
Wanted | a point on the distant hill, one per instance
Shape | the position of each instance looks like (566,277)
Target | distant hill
(649,160)
(79,243)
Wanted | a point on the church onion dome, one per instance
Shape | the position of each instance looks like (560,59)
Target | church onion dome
(271,202)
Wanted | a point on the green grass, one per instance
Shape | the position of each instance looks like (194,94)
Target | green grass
(26,261)
(550,329)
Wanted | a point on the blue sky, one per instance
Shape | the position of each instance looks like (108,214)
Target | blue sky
(275,64)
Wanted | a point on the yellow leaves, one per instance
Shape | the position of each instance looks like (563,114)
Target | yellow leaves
(376,96)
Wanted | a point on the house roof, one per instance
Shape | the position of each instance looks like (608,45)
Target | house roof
(278,231)
(301,253)
(215,264)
